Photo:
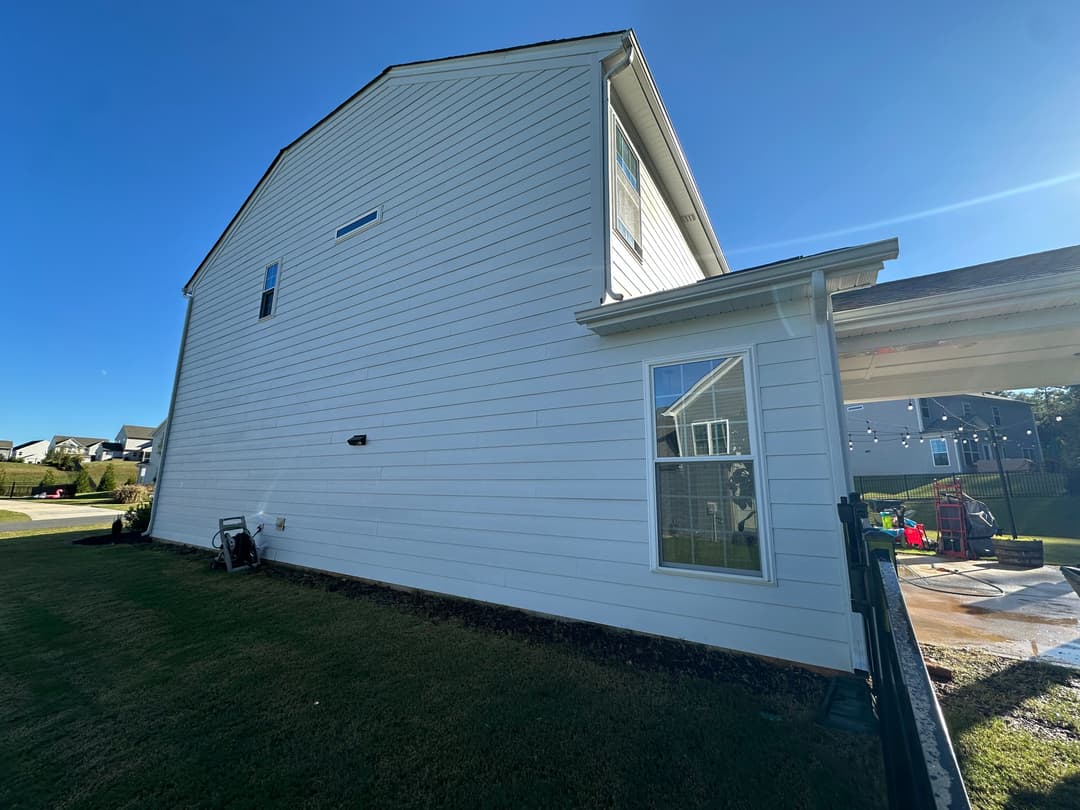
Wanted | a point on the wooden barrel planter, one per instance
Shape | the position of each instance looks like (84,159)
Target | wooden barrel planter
(1019,553)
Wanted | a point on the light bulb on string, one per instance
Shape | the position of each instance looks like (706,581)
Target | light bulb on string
(869,429)
(910,405)
(875,437)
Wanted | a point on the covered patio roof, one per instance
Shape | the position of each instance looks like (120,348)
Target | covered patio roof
(1013,323)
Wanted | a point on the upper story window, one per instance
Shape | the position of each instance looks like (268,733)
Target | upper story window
(924,410)
(704,467)
(997,414)
(969,411)
(939,452)
(270,283)
(627,192)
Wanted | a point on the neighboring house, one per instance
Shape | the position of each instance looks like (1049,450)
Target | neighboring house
(931,435)
(136,441)
(107,451)
(79,446)
(149,470)
(439,373)
(5,449)
(33,452)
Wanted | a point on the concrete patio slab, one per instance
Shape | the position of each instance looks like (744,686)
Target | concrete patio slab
(1029,613)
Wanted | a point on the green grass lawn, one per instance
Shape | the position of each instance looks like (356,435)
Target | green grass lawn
(1015,726)
(136,676)
(1056,550)
(16,473)
(7,516)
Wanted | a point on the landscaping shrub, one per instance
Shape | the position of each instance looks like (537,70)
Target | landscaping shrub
(48,479)
(131,493)
(131,479)
(108,479)
(137,518)
(83,483)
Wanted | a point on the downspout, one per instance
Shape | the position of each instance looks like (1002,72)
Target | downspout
(605,119)
(169,419)
(833,395)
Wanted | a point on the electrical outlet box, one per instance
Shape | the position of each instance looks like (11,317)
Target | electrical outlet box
(279,524)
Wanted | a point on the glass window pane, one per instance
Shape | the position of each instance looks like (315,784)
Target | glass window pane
(707,515)
(267,305)
(271,277)
(700,408)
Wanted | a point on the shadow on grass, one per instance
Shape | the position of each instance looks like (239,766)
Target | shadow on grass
(1065,796)
(1001,693)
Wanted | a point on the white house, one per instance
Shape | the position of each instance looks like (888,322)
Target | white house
(6,449)
(443,342)
(33,451)
(78,446)
(148,470)
(135,441)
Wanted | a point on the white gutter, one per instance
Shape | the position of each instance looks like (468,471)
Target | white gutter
(169,419)
(748,288)
(605,118)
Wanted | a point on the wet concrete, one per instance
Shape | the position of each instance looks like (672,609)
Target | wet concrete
(1030,613)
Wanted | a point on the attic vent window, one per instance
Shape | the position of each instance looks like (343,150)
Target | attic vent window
(370,218)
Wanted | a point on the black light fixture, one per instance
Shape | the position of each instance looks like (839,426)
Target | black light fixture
(358,440)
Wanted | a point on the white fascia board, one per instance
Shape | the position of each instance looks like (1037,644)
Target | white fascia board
(1023,295)
(518,55)
(676,176)
(784,281)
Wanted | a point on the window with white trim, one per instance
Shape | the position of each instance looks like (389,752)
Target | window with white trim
(270,284)
(627,192)
(706,501)
(353,227)
(939,452)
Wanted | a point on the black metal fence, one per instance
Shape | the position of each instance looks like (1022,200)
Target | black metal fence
(921,770)
(28,490)
(978,485)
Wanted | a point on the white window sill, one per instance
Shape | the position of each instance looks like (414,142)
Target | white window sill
(720,576)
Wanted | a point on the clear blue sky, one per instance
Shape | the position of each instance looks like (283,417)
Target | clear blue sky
(132,132)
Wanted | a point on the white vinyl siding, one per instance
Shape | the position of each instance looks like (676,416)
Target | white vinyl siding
(666,260)
(506,454)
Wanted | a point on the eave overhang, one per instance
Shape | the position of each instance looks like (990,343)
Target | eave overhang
(790,280)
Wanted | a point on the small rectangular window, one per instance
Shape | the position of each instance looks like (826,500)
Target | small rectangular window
(358,224)
(924,409)
(627,191)
(968,410)
(939,452)
(270,283)
(997,415)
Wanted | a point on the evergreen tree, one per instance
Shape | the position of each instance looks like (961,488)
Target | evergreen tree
(83,482)
(48,479)
(108,479)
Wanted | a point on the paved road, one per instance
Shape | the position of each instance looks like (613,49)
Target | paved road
(60,523)
(47,515)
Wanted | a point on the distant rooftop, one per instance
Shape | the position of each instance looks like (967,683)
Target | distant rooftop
(138,431)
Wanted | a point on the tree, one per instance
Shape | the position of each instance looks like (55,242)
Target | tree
(108,479)
(48,479)
(1056,409)
(83,482)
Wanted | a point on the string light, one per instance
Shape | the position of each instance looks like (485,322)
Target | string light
(910,405)
(869,429)
(875,437)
